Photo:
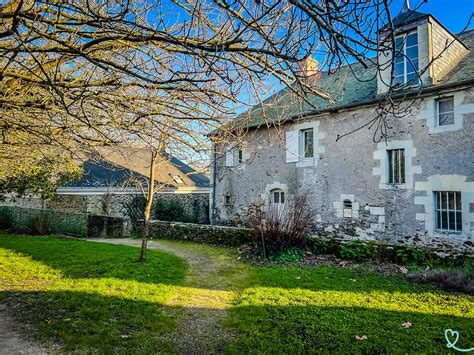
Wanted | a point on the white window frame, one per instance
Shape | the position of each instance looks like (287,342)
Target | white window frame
(277,206)
(438,113)
(406,60)
(302,148)
(294,144)
(391,173)
(447,210)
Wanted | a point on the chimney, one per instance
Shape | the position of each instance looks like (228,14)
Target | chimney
(308,70)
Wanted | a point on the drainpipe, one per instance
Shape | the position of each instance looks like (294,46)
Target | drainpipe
(214,178)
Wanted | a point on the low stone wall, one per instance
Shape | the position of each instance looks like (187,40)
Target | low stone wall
(447,245)
(201,233)
(111,204)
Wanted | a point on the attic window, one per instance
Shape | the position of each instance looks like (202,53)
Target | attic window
(406,59)
(177,179)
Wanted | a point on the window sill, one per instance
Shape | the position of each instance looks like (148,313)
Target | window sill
(306,162)
(388,186)
(446,232)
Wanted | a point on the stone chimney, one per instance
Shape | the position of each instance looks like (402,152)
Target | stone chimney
(308,70)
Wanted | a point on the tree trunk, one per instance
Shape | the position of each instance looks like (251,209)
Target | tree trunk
(149,203)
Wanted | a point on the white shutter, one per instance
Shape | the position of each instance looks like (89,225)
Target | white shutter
(229,158)
(291,142)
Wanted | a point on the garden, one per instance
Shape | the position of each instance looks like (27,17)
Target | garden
(87,296)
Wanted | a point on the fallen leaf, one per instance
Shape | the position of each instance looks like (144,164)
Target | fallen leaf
(298,277)
(363,337)
(353,280)
(407,325)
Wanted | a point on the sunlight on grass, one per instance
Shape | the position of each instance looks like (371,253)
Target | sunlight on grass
(428,303)
(95,297)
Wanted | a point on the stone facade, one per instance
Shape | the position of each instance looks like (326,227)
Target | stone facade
(355,169)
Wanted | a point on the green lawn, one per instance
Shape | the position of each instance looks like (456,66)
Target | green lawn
(304,310)
(96,297)
(90,296)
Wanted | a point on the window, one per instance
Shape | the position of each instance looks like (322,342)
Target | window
(177,179)
(347,209)
(228,200)
(240,156)
(308,143)
(396,166)
(406,59)
(278,200)
(448,211)
(445,111)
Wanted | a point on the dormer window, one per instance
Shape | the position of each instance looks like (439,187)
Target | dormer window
(406,59)
(177,179)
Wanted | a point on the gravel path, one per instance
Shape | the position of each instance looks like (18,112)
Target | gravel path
(12,341)
(202,304)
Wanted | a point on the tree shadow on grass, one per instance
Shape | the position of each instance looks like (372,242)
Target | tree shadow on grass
(92,322)
(81,259)
(95,323)
(308,329)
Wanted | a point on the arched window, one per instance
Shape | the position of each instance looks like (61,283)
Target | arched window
(347,208)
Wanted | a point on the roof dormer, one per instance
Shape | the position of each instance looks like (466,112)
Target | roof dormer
(425,51)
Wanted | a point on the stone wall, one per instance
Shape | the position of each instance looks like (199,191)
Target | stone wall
(110,204)
(354,167)
(201,233)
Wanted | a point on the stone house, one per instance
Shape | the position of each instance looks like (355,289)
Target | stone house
(115,176)
(417,186)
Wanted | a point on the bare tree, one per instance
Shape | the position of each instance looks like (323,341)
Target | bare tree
(82,73)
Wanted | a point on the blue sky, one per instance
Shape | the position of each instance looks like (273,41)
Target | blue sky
(453,14)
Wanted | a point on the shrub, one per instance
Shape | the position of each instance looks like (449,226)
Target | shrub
(172,211)
(322,245)
(282,229)
(39,224)
(6,220)
(291,255)
(412,256)
(134,209)
(449,280)
(357,251)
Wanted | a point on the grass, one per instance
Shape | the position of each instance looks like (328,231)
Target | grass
(96,297)
(323,309)
(88,296)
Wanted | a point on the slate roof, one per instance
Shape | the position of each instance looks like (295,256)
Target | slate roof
(123,166)
(352,85)
(406,17)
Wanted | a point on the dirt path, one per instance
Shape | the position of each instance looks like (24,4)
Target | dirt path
(202,304)
(13,342)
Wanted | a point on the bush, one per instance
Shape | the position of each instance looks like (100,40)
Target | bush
(449,280)
(291,255)
(357,251)
(6,220)
(412,256)
(135,209)
(282,229)
(39,224)
(171,211)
